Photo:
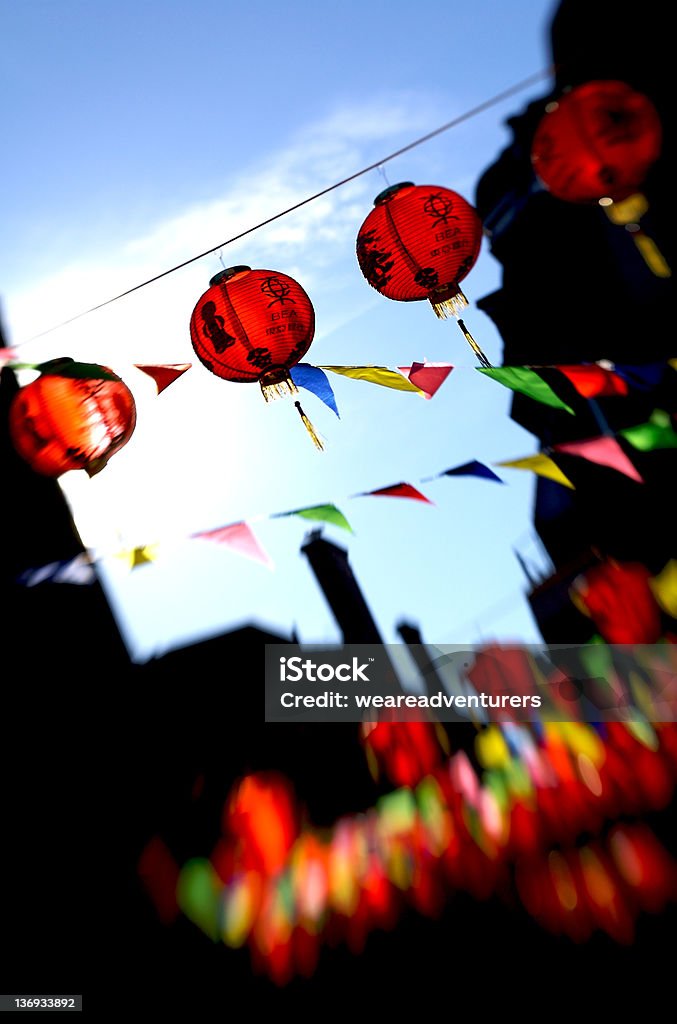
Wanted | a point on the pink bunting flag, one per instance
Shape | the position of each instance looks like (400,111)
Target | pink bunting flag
(399,491)
(7,355)
(605,451)
(239,537)
(429,377)
(163,374)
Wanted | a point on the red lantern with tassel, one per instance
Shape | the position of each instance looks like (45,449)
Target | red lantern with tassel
(596,144)
(68,418)
(420,242)
(253,326)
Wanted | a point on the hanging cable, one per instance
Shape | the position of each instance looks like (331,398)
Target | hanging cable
(473,112)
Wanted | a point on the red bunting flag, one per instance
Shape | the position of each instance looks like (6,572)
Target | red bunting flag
(605,451)
(239,537)
(163,374)
(429,377)
(398,491)
(594,381)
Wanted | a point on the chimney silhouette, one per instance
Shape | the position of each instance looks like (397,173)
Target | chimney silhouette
(332,571)
(411,636)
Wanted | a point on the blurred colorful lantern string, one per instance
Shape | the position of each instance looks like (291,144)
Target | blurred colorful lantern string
(596,144)
(73,416)
(540,805)
(254,325)
(420,242)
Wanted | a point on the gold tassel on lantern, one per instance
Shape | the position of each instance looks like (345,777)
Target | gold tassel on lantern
(628,213)
(309,427)
(473,344)
(277,383)
(450,302)
(448,305)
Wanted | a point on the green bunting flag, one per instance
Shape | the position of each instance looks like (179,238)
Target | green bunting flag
(521,378)
(320,513)
(70,368)
(657,433)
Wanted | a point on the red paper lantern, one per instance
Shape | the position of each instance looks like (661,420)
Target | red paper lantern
(598,140)
(420,242)
(253,326)
(60,423)
(596,144)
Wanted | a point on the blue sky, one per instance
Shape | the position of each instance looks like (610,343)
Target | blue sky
(140,134)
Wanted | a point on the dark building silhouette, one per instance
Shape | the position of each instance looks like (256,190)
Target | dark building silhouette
(334,574)
(574,290)
(411,636)
(100,754)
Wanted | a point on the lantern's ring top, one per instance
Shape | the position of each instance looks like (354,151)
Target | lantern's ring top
(389,192)
(225,275)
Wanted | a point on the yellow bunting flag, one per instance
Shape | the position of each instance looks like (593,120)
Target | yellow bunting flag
(541,465)
(664,587)
(143,555)
(376,375)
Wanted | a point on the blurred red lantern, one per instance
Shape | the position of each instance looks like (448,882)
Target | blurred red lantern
(620,602)
(420,242)
(596,144)
(68,418)
(254,325)
(261,814)
(406,751)
(598,140)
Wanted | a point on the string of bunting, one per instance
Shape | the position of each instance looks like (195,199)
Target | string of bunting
(239,537)
(423,378)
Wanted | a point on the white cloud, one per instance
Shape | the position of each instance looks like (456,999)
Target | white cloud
(317,156)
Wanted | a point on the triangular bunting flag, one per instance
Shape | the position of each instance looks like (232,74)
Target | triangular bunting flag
(397,491)
(643,377)
(66,367)
(649,437)
(605,451)
(541,465)
(376,375)
(163,374)
(313,379)
(429,377)
(526,380)
(78,570)
(142,555)
(593,381)
(473,468)
(7,355)
(319,513)
(239,537)
(664,587)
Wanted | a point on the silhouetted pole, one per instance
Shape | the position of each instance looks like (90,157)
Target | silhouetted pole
(335,576)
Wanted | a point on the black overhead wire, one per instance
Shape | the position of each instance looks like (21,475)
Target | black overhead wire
(377,165)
